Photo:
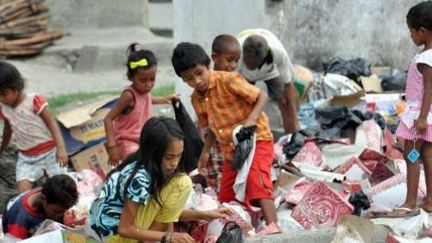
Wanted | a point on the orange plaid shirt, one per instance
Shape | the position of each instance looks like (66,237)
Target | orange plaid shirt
(226,104)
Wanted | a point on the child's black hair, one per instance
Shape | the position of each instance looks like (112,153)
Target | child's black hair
(187,55)
(10,77)
(420,16)
(223,43)
(134,54)
(60,190)
(156,136)
(255,46)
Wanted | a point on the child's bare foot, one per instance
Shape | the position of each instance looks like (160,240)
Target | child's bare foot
(427,206)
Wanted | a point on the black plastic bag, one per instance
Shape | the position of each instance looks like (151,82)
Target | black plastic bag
(244,146)
(193,144)
(231,233)
(352,69)
(360,202)
(338,122)
(394,83)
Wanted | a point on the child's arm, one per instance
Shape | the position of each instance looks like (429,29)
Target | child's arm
(208,215)
(156,100)
(421,123)
(122,104)
(290,93)
(209,140)
(258,108)
(7,133)
(128,229)
(61,154)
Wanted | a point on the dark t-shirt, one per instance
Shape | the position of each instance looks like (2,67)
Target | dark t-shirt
(21,220)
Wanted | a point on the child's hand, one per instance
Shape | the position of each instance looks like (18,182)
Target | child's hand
(202,163)
(62,157)
(113,156)
(173,97)
(420,126)
(217,213)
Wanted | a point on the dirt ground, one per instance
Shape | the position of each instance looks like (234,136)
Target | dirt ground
(7,176)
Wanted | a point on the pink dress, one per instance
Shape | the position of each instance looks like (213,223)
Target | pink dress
(414,96)
(127,128)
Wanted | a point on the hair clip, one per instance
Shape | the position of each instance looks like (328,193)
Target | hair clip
(141,63)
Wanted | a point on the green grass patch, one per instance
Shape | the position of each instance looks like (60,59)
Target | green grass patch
(163,90)
(60,101)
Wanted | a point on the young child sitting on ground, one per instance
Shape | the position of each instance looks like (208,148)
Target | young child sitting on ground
(223,101)
(35,133)
(28,210)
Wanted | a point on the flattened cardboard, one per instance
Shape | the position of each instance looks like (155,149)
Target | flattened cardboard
(94,158)
(83,127)
(371,84)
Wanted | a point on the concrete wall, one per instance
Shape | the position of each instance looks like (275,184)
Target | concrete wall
(312,30)
(95,14)
(200,21)
(372,29)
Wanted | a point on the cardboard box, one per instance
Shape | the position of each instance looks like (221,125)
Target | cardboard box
(83,127)
(371,84)
(381,70)
(94,158)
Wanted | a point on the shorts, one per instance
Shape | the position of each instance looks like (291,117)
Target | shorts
(259,183)
(35,166)
(275,87)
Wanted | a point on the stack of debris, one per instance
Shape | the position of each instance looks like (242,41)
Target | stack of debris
(23,28)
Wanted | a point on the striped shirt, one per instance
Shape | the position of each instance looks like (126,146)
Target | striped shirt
(227,103)
(414,94)
(414,85)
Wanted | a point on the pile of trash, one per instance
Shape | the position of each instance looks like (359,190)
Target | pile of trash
(328,179)
(23,28)
(343,170)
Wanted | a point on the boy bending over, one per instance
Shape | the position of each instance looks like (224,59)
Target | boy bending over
(222,101)
(30,209)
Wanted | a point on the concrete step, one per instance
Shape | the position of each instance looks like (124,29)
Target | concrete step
(105,49)
(325,235)
(85,61)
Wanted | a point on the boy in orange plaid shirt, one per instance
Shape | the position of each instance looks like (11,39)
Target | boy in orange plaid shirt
(222,101)
(225,56)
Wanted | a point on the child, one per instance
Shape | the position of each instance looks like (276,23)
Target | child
(35,133)
(222,101)
(124,122)
(143,196)
(58,194)
(225,53)
(416,123)
(225,56)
